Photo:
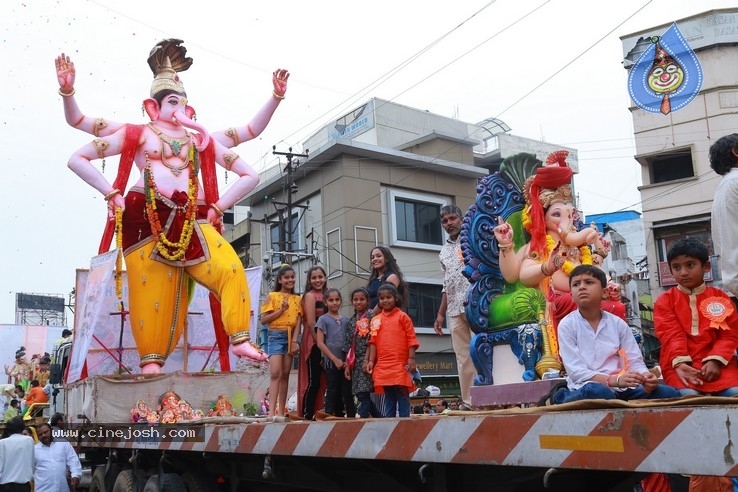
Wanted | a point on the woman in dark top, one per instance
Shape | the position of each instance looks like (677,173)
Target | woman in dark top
(385,269)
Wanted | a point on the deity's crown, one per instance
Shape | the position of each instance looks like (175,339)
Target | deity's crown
(562,194)
(166,59)
(550,184)
(167,79)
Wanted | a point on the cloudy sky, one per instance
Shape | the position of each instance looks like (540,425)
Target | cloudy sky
(549,69)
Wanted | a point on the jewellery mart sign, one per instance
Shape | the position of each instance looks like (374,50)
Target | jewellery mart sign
(117,433)
(436,364)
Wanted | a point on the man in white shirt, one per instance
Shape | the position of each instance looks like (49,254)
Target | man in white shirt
(16,458)
(724,161)
(8,392)
(52,459)
(455,287)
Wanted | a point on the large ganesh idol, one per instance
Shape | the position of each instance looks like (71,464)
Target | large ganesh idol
(520,240)
(168,223)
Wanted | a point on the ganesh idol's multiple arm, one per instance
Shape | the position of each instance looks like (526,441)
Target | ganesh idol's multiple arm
(510,260)
(81,164)
(247,180)
(232,137)
(533,271)
(66,75)
(81,161)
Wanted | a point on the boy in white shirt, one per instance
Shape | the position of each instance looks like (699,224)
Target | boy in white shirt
(600,354)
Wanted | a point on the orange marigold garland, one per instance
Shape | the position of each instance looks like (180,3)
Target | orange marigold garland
(119,246)
(172,251)
(584,251)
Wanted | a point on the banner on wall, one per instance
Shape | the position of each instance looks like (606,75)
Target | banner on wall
(667,76)
(93,303)
(196,351)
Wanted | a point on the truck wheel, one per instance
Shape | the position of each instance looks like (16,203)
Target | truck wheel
(196,483)
(98,480)
(171,483)
(124,482)
(111,475)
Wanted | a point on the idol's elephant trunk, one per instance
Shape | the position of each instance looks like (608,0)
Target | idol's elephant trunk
(185,121)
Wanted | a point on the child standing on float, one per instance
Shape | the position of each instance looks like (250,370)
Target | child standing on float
(331,328)
(282,311)
(392,349)
(357,336)
(310,377)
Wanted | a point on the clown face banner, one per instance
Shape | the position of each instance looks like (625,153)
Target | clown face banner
(667,76)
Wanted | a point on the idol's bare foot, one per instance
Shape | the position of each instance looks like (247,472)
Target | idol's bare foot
(151,368)
(247,349)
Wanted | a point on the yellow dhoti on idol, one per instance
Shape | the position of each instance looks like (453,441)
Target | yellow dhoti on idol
(158,287)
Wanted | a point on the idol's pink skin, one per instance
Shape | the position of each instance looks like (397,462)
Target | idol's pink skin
(246,349)
(182,115)
(569,235)
(151,368)
(66,75)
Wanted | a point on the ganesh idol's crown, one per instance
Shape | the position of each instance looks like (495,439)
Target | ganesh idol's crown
(551,183)
(166,59)
(562,194)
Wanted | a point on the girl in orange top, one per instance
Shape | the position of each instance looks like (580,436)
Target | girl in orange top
(392,349)
(282,311)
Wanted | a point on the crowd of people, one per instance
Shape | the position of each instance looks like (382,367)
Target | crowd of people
(28,384)
(362,364)
(31,459)
(441,407)
(353,358)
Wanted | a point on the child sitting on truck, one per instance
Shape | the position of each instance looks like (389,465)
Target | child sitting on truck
(599,352)
(697,326)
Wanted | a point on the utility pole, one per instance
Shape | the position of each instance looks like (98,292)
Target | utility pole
(291,190)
